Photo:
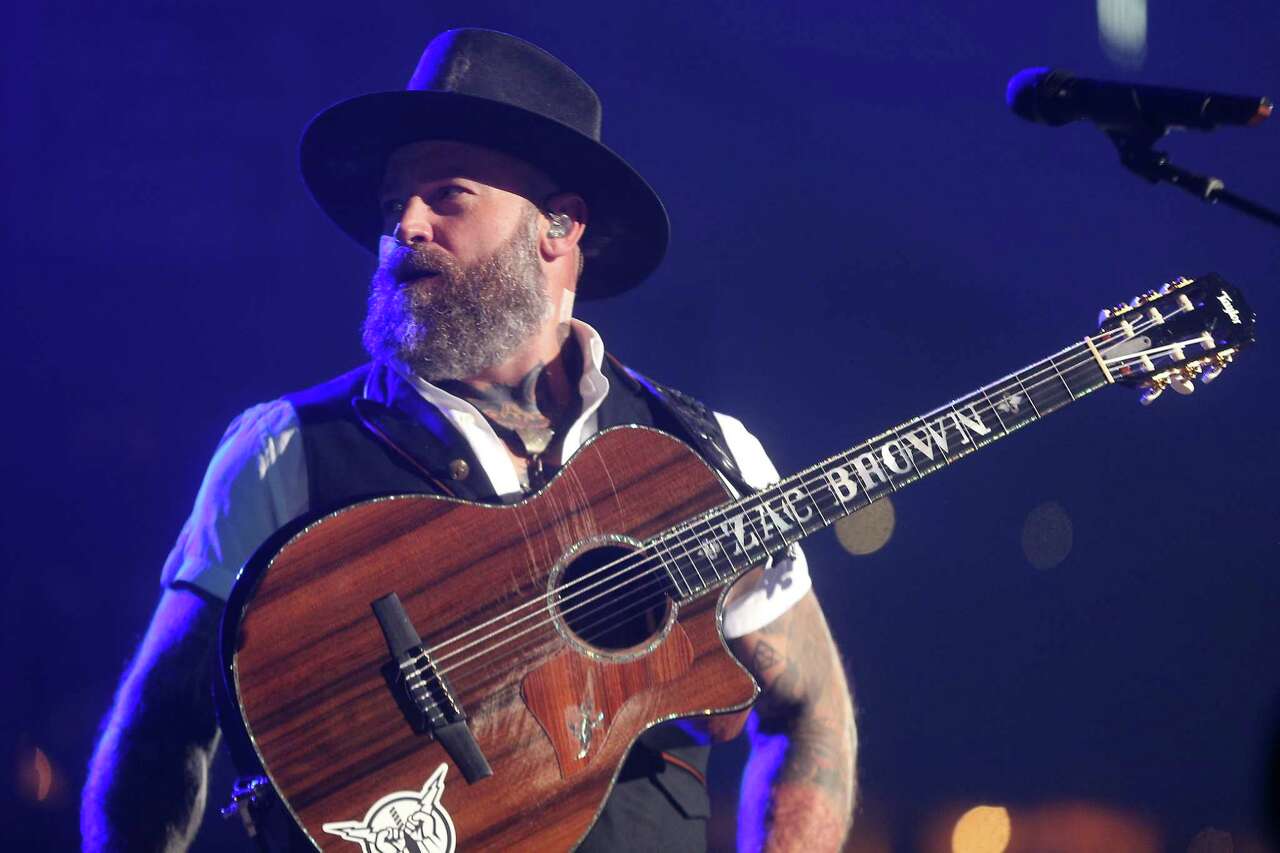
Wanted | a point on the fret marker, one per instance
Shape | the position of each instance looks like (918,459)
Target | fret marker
(791,499)
(925,448)
(971,422)
(844,488)
(770,517)
(1010,403)
(869,470)
(744,539)
(764,524)
(895,458)
(935,433)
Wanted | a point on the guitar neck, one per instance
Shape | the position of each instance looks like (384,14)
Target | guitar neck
(715,548)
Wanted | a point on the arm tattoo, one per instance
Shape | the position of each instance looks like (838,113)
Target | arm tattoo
(793,698)
(804,707)
(815,758)
(764,658)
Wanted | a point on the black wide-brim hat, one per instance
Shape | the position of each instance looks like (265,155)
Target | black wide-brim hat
(494,90)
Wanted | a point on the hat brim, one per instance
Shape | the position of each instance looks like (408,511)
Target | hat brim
(344,151)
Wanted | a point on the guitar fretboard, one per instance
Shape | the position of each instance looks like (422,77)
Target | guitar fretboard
(718,546)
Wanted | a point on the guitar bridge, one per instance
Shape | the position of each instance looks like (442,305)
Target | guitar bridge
(427,691)
(423,693)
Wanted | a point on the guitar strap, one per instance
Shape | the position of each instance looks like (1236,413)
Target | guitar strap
(694,422)
(422,439)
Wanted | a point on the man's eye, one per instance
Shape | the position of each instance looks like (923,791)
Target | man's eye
(448,193)
(392,207)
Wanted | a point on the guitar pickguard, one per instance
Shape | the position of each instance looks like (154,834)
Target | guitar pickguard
(576,699)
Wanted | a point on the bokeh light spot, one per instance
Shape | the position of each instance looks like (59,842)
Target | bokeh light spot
(44,774)
(37,778)
(1046,535)
(1211,840)
(1122,31)
(867,530)
(982,829)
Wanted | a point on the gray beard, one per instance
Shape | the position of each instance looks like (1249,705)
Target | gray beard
(460,321)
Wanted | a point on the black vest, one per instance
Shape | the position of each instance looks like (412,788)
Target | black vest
(370,433)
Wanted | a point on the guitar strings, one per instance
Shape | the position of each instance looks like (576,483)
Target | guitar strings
(587,577)
(806,483)
(434,651)
(612,609)
(598,628)
(664,547)
(641,599)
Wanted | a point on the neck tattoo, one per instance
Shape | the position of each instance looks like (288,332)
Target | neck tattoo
(529,414)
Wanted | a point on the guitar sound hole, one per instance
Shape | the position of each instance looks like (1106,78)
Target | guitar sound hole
(613,598)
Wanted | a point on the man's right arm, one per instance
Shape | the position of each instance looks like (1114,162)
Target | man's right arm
(147,777)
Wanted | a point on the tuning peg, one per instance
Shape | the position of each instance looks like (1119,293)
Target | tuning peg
(1181,384)
(1210,373)
(1117,310)
(1151,392)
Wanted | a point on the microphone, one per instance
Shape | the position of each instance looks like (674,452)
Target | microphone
(1056,97)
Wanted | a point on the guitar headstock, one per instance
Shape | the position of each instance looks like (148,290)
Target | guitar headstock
(1188,329)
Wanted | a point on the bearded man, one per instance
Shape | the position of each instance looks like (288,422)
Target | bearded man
(492,206)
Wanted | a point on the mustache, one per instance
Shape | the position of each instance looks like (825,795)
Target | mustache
(407,263)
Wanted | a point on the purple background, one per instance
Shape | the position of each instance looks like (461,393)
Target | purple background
(861,231)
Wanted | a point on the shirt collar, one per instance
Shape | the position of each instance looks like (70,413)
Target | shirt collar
(593,387)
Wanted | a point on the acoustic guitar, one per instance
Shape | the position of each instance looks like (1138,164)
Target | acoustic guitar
(417,673)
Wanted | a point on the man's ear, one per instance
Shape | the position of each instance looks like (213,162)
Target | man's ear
(564,222)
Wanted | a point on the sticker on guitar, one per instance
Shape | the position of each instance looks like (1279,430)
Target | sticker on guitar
(404,822)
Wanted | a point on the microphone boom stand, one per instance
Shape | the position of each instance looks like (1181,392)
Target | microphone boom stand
(1137,155)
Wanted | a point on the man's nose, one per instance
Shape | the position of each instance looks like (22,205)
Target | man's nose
(415,222)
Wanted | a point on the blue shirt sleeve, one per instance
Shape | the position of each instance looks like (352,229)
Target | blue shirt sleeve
(256,483)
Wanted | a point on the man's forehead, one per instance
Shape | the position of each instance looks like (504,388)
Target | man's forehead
(435,159)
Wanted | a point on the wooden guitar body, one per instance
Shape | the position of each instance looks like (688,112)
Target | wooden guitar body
(553,714)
